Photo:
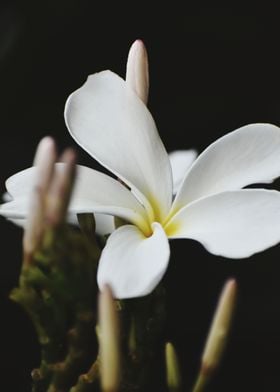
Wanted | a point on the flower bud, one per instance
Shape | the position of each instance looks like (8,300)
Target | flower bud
(173,375)
(137,70)
(218,335)
(60,189)
(44,161)
(109,342)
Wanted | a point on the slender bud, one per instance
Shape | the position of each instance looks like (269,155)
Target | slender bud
(218,335)
(173,375)
(60,189)
(109,342)
(44,161)
(137,70)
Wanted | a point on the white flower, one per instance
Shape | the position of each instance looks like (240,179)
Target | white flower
(109,119)
(115,127)
(137,77)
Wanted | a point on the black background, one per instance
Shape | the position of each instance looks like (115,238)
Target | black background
(212,70)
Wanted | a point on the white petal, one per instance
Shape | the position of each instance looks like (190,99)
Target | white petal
(72,219)
(20,184)
(15,209)
(234,224)
(6,197)
(19,222)
(93,192)
(249,155)
(133,264)
(104,224)
(113,125)
(180,161)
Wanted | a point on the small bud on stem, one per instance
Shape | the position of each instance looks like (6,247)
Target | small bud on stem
(50,196)
(60,189)
(44,161)
(109,342)
(218,335)
(173,375)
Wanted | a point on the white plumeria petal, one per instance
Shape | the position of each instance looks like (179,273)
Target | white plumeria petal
(104,224)
(113,125)
(19,222)
(72,219)
(6,197)
(15,209)
(234,224)
(132,264)
(180,161)
(248,155)
(93,192)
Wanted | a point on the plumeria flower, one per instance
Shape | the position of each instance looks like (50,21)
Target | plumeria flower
(137,77)
(109,120)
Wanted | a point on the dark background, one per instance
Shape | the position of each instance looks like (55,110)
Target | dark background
(212,70)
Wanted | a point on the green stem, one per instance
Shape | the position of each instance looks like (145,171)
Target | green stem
(87,381)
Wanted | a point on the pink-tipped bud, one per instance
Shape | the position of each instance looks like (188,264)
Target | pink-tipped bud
(44,161)
(137,70)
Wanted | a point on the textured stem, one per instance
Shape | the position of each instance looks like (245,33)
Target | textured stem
(143,320)
(86,382)
(58,290)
